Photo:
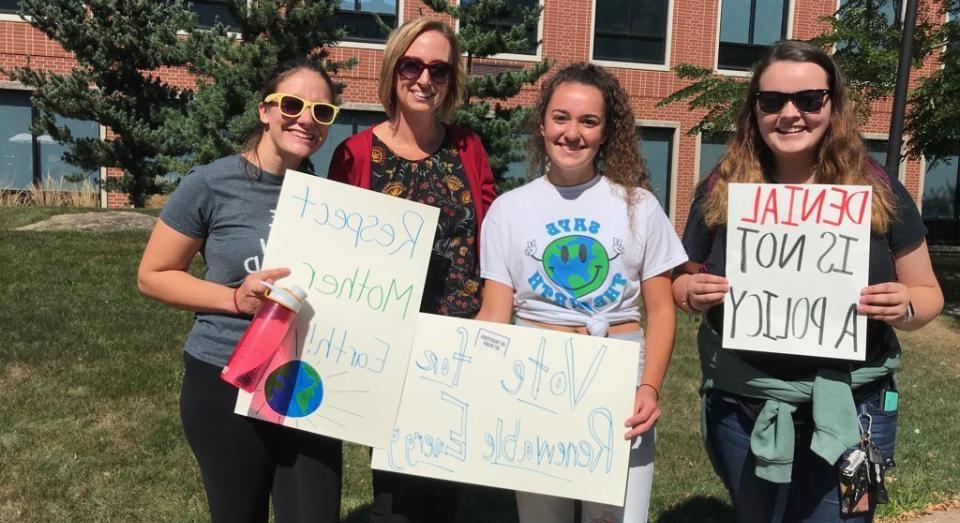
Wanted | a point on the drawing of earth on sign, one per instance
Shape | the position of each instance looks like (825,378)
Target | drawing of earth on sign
(294,389)
(579,264)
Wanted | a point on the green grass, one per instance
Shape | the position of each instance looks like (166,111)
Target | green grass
(90,375)
(947,267)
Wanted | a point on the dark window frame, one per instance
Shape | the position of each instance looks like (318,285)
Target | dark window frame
(36,147)
(6,10)
(727,50)
(358,119)
(667,203)
(507,23)
(365,19)
(228,19)
(662,40)
(956,193)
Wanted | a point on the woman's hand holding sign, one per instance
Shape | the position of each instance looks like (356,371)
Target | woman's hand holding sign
(888,302)
(706,290)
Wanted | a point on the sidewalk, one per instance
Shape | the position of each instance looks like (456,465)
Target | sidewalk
(950,516)
(946,512)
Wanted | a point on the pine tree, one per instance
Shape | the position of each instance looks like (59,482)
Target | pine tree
(232,65)
(933,122)
(119,45)
(503,133)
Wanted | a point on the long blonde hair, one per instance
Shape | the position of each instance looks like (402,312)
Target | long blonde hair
(841,155)
(398,43)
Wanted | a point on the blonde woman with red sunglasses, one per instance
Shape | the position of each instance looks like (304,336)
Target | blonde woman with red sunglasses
(223,211)
(416,155)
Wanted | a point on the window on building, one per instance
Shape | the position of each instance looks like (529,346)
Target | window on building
(941,200)
(520,168)
(29,159)
(209,12)
(711,149)
(16,141)
(52,165)
(877,148)
(656,144)
(10,6)
(631,31)
(359,18)
(954,16)
(890,9)
(506,23)
(747,29)
(348,123)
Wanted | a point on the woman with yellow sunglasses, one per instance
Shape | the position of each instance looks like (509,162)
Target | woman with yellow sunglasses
(223,210)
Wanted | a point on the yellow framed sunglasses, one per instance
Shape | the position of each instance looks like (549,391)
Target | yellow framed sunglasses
(292,106)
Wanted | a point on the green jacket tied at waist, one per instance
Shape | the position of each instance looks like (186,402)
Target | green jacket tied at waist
(835,418)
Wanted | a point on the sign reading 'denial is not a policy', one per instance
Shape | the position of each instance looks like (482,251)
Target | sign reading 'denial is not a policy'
(362,257)
(797,258)
(517,408)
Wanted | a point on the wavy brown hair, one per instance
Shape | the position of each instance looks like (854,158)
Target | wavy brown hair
(841,155)
(619,157)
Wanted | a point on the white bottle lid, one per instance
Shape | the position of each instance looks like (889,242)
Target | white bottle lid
(291,298)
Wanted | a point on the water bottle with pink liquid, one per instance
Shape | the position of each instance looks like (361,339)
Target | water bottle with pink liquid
(262,338)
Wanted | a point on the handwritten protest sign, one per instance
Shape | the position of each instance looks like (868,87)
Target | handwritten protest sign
(797,258)
(515,407)
(362,257)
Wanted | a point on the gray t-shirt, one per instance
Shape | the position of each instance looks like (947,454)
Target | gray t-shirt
(231,211)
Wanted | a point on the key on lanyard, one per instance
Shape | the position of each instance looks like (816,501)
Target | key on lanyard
(877,462)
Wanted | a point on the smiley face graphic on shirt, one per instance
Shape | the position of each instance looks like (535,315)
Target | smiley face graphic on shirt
(576,263)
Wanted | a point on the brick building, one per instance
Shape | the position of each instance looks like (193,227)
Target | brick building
(640,40)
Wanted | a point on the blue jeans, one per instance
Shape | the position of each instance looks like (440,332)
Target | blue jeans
(816,497)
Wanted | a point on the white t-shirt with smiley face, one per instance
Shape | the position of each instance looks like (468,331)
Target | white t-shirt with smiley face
(572,255)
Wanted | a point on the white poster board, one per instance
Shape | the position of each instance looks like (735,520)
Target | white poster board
(362,257)
(797,258)
(517,408)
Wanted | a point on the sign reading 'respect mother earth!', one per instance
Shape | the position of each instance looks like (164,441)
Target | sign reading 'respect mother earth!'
(362,258)
(797,258)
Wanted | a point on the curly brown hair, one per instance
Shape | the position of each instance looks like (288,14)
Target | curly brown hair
(842,157)
(619,157)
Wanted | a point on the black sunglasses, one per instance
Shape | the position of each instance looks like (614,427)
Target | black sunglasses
(411,67)
(806,101)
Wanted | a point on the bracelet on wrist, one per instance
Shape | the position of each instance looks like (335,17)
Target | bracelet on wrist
(908,316)
(655,391)
(236,304)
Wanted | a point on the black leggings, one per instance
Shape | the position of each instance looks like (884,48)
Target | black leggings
(243,461)
(401,498)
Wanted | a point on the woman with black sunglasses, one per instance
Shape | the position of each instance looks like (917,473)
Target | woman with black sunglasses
(223,210)
(417,156)
(797,126)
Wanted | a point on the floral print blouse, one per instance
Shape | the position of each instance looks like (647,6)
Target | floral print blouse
(453,276)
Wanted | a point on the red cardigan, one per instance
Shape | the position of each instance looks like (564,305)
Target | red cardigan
(351,164)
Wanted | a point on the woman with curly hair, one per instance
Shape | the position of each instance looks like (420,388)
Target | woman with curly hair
(577,249)
(773,421)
